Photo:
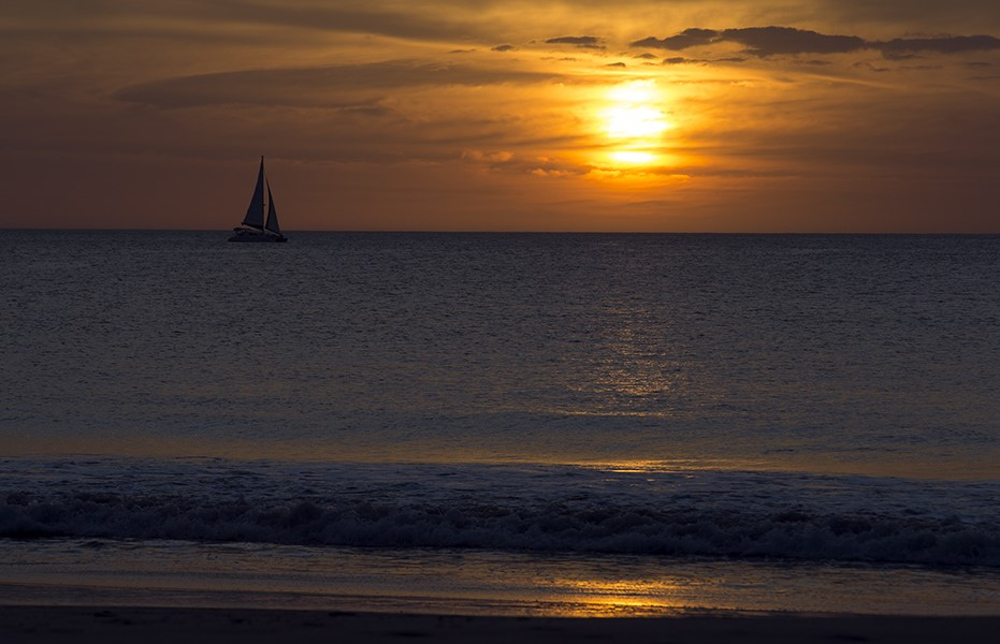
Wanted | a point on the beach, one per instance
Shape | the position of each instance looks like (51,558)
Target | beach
(81,625)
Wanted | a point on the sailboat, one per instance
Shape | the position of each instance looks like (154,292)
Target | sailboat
(254,228)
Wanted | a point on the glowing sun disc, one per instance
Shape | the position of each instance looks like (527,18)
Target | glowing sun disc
(634,121)
(633,157)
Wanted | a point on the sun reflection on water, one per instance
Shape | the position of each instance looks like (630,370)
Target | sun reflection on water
(592,597)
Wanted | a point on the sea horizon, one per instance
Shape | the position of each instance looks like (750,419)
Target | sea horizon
(418,231)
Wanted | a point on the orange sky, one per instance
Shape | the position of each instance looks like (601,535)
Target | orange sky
(726,115)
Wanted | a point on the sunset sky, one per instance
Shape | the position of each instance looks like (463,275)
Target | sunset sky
(582,115)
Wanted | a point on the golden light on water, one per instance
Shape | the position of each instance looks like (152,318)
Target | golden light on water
(597,596)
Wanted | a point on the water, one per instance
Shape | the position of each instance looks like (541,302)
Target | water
(556,424)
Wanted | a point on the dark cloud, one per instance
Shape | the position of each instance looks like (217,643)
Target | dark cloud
(586,42)
(618,64)
(504,47)
(313,87)
(687,38)
(770,41)
(680,60)
(869,67)
(760,41)
(950,45)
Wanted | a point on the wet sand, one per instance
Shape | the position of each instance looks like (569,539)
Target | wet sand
(81,625)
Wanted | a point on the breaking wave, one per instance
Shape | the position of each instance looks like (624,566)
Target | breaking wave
(550,509)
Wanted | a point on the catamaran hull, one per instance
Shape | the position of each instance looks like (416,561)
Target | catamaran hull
(254,236)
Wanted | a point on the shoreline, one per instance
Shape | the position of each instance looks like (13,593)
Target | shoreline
(38,624)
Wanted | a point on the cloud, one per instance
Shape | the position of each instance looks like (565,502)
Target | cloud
(586,42)
(314,87)
(182,18)
(680,60)
(488,158)
(865,65)
(950,45)
(504,47)
(687,38)
(768,41)
(763,42)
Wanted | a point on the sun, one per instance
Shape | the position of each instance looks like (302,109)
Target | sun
(632,157)
(634,122)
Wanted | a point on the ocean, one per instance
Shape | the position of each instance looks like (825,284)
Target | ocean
(510,424)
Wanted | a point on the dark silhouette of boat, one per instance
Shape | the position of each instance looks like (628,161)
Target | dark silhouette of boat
(254,228)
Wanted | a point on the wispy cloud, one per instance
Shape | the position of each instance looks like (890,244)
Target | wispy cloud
(585,42)
(763,42)
(316,86)
(680,60)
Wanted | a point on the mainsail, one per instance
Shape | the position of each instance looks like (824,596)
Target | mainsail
(255,213)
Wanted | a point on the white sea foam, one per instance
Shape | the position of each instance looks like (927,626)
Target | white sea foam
(735,514)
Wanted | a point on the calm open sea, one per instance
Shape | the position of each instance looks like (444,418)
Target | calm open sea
(493,423)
